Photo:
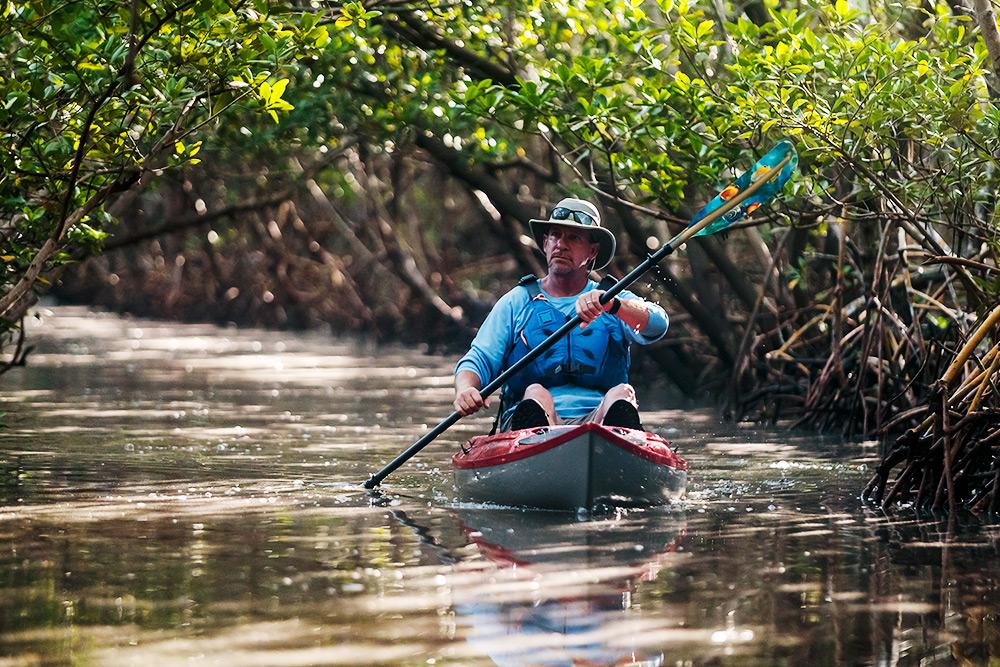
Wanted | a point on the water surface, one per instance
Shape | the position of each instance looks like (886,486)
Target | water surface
(185,494)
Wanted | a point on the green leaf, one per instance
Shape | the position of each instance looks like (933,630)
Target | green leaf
(320,36)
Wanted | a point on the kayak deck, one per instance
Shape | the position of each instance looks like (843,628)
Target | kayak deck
(569,468)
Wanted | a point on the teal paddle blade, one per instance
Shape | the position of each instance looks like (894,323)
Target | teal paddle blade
(762,194)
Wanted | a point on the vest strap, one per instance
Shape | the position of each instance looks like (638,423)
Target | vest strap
(531,283)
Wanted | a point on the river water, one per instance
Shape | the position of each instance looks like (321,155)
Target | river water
(187,494)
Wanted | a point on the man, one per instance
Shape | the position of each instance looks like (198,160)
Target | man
(583,377)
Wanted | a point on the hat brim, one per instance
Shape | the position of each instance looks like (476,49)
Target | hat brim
(604,238)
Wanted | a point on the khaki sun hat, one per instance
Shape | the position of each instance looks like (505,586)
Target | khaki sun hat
(579,214)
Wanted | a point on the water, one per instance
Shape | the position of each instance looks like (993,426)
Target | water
(183,494)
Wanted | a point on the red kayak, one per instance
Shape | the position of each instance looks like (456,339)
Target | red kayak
(570,468)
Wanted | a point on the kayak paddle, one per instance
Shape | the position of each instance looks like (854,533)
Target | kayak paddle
(737,200)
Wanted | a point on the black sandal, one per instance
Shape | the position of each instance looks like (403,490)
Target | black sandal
(529,413)
(624,415)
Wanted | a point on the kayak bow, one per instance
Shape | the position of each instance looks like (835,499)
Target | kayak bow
(569,468)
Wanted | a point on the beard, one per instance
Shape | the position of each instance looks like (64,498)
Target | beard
(565,265)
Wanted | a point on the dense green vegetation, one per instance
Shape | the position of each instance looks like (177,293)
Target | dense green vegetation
(101,97)
(372,168)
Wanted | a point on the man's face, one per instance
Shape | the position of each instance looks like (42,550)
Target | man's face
(568,249)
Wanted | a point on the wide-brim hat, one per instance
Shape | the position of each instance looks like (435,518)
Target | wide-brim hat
(578,214)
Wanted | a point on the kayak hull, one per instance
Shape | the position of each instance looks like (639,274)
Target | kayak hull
(570,468)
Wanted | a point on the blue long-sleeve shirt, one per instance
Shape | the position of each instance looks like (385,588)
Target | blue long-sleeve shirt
(486,356)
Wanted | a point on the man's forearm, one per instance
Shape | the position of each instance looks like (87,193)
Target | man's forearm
(634,313)
(465,379)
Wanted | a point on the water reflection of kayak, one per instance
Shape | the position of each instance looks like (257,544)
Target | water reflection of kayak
(540,540)
(582,575)
(570,467)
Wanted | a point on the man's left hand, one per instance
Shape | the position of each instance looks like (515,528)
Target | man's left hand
(589,307)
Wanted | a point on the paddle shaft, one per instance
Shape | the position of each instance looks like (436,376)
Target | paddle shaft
(611,293)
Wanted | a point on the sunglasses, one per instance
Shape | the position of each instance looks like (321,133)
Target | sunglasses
(563,213)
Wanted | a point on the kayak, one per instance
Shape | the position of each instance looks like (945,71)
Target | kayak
(570,467)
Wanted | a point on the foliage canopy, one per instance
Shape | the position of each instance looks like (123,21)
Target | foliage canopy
(846,301)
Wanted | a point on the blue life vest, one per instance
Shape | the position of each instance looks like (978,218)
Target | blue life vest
(596,357)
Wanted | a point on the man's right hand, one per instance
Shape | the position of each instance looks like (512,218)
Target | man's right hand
(469,400)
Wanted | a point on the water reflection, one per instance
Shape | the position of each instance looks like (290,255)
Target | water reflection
(582,575)
(173,494)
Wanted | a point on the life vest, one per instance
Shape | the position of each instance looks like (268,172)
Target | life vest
(596,357)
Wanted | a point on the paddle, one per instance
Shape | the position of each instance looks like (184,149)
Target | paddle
(734,202)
